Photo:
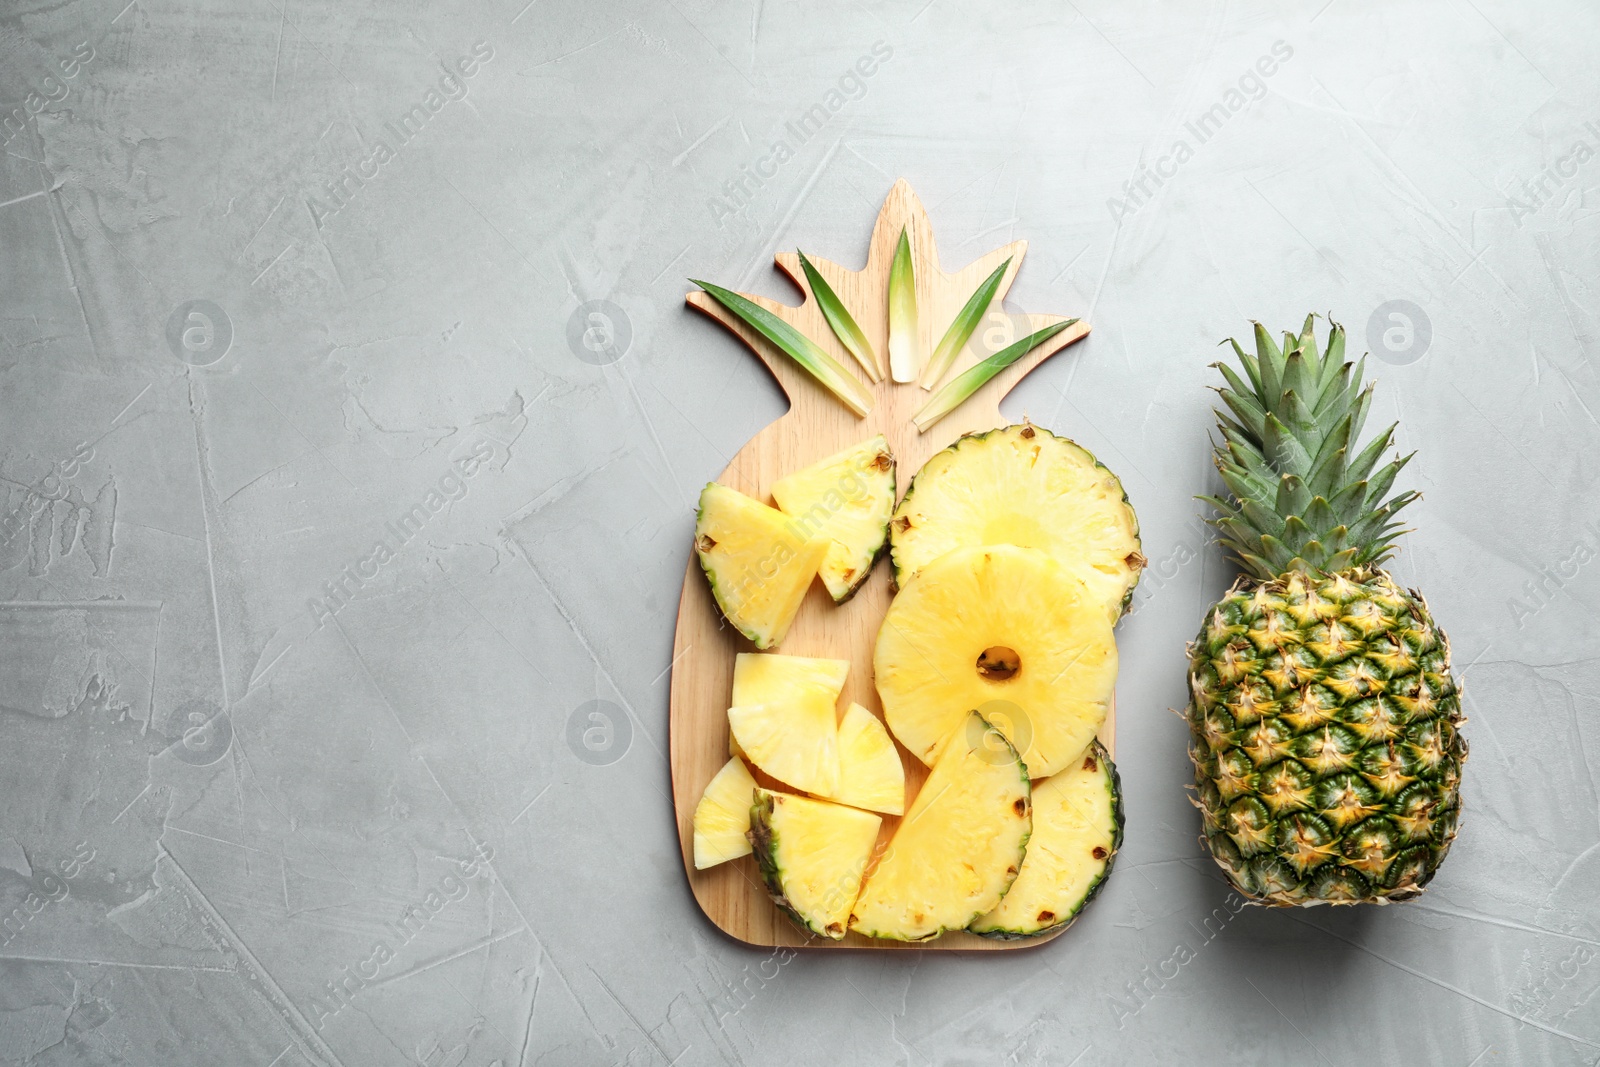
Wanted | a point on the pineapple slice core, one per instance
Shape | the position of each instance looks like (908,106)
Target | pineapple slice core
(722,818)
(959,848)
(759,564)
(848,499)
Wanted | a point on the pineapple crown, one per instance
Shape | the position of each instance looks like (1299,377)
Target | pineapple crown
(1301,500)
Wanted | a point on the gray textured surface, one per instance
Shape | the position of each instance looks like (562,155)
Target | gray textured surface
(223,800)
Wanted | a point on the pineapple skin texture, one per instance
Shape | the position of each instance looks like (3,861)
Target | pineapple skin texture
(1325,737)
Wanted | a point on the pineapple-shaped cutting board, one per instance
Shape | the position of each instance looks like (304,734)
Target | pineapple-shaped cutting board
(817,425)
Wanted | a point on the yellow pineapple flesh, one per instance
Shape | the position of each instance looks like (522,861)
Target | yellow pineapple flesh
(1022,485)
(870,773)
(847,498)
(777,681)
(1077,828)
(1004,630)
(758,567)
(812,854)
(722,818)
(960,845)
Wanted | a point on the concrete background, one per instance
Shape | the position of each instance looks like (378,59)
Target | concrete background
(222,799)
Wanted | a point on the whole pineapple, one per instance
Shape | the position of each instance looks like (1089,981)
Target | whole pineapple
(1325,722)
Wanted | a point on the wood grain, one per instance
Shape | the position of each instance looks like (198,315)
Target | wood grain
(817,425)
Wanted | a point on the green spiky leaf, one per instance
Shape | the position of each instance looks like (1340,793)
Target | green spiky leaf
(840,320)
(973,378)
(962,326)
(1305,492)
(1380,482)
(829,372)
(904,339)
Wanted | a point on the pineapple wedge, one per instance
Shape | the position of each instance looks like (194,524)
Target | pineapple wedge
(1022,485)
(757,562)
(960,846)
(1077,828)
(848,499)
(792,742)
(812,855)
(1004,630)
(776,680)
(722,818)
(870,773)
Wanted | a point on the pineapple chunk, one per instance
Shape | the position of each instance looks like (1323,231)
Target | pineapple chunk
(848,499)
(758,562)
(791,742)
(722,818)
(770,678)
(812,854)
(870,773)
(1077,828)
(1022,485)
(960,846)
(1004,630)
(779,680)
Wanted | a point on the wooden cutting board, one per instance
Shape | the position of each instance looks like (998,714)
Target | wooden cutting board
(817,425)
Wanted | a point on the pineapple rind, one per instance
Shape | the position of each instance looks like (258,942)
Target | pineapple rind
(1051,908)
(722,817)
(947,515)
(916,892)
(1325,735)
(1325,723)
(847,498)
(817,900)
(758,568)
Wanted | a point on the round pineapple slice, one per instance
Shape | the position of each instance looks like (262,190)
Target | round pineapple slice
(1005,630)
(722,818)
(1022,485)
(871,775)
(1077,829)
(848,499)
(758,565)
(812,855)
(959,848)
